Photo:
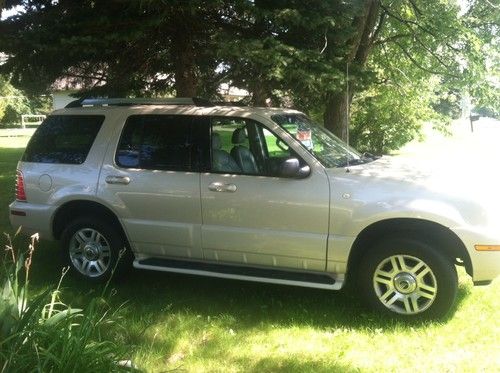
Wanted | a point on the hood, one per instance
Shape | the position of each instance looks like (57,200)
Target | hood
(454,193)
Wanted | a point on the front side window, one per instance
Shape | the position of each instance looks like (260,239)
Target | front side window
(161,142)
(64,139)
(326,147)
(244,146)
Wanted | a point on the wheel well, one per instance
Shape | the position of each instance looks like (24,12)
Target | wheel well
(74,209)
(431,232)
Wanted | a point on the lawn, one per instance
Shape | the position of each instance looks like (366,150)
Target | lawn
(201,324)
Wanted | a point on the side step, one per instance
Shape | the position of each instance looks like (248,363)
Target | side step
(273,276)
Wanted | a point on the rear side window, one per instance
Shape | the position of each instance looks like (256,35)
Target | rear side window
(63,139)
(163,142)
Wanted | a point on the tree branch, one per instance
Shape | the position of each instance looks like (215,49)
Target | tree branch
(416,9)
(83,76)
(380,25)
(423,68)
(433,54)
(408,21)
(391,38)
(366,41)
(359,24)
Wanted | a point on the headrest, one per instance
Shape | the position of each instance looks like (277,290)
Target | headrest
(239,136)
(216,142)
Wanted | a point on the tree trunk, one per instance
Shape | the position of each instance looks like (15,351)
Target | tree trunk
(335,115)
(186,78)
(259,94)
(116,83)
(366,26)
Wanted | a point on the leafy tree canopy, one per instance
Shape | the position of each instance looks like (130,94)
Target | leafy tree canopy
(413,55)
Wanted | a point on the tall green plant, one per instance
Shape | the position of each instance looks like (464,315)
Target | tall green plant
(43,334)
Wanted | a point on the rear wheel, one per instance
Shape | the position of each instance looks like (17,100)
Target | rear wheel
(409,278)
(92,248)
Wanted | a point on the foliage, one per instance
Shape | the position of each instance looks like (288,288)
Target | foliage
(14,103)
(40,333)
(110,47)
(488,112)
(289,51)
(388,117)
(482,22)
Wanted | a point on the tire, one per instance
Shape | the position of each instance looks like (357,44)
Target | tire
(91,247)
(408,278)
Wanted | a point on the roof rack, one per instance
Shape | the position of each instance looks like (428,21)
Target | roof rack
(192,101)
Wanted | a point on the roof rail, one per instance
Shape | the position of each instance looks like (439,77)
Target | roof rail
(193,101)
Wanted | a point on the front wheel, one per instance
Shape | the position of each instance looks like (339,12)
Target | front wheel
(409,278)
(92,248)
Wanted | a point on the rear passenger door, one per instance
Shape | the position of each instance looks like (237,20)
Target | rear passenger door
(152,177)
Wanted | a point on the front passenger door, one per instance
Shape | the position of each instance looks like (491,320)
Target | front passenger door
(259,218)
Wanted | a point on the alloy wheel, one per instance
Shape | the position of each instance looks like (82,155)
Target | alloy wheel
(405,284)
(90,252)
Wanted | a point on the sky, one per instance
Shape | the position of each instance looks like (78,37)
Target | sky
(10,12)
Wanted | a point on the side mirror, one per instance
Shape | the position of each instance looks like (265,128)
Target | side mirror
(291,168)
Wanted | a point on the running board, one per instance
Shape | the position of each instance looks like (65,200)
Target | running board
(272,276)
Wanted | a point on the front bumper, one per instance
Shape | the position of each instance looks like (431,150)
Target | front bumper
(485,264)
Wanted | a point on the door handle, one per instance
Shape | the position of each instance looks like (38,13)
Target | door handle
(221,187)
(118,180)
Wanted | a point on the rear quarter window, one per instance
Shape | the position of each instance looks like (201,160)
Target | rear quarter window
(63,139)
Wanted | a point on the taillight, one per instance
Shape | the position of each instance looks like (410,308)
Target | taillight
(20,190)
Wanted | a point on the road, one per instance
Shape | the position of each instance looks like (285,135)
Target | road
(462,149)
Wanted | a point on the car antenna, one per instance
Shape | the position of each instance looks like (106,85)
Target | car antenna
(347,112)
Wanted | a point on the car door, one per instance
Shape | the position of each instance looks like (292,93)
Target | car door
(253,216)
(153,182)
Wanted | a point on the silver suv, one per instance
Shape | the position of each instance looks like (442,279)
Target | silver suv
(244,193)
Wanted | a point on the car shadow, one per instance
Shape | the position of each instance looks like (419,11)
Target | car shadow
(150,293)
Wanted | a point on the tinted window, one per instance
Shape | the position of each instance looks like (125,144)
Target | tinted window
(163,142)
(63,139)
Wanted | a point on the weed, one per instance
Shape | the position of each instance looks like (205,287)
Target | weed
(42,333)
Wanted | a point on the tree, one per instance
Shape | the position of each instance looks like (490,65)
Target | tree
(278,49)
(14,103)
(110,47)
(303,49)
(482,20)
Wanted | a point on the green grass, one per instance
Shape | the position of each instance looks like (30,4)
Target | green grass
(202,324)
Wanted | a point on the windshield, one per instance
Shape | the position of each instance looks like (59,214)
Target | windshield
(325,146)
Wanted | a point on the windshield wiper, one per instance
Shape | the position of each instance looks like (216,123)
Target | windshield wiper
(356,161)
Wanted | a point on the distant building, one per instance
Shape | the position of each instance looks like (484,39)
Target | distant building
(63,89)
(231,93)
